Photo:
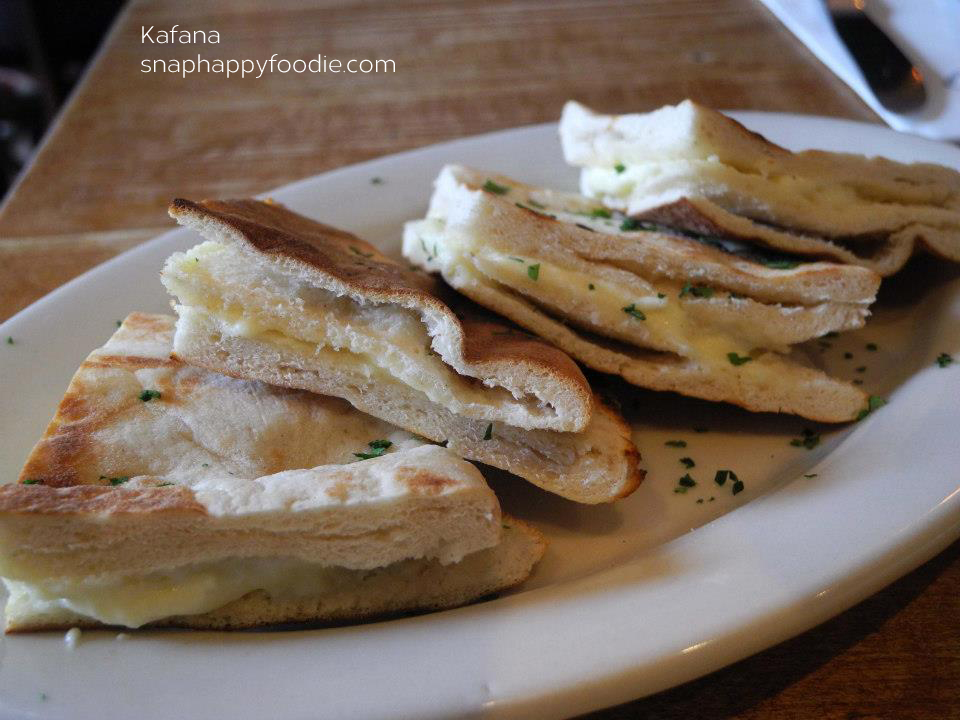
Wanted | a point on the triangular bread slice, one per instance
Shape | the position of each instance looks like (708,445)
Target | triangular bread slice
(274,296)
(663,311)
(694,168)
(162,492)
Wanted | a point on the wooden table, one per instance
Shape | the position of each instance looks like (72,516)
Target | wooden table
(127,142)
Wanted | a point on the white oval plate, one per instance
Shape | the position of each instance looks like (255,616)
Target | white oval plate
(631,598)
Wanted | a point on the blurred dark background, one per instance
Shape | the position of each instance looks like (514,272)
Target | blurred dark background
(44,47)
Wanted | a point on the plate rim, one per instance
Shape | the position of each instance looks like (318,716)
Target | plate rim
(941,526)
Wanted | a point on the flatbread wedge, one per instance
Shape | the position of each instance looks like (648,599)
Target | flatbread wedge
(691,167)
(274,296)
(662,310)
(164,494)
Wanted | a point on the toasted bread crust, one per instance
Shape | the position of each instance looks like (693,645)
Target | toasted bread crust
(349,264)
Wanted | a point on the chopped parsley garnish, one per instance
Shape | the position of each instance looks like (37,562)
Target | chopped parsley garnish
(872,347)
(360,252)
(808,439)
(630,224)
(164,484)
(687,462)
(619,167)
(430,256)
(633,311)
(848,356)
(600,213)
(584,227)
(119,323)
(737,486)
(676,443)
(377,448)
(32,481)
(119,480)
(780,264)
(687,481)
(376,181)
(738,359)
(811,475)
(489,432)
(9,340)
(873,403)
(534,203)
(591,286)
(533,271)
(148,395)
(205,465)
(721,477)
(944,359)
(491,187)
(660,296)
(516,259)
(680,489)
(701,291)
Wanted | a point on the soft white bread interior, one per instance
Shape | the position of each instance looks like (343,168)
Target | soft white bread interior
(688,164)
(163,489)
(244,314)
(662,310)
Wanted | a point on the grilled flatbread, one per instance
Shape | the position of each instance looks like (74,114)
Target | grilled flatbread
(663,311)
(276,297)
(166,494)
(693,168)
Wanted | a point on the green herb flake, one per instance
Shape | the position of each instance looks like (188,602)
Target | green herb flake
(700,291)
(676,443)
(633,311)
(164,484)
(9,340)
(872,347)
(780,264)
(489,432)
(737,487)
(619,167)
(811,475)
(534,203)
(148,395)
(591,286)
(491,187)
(206,465)
(660,296)
(376,181)
(630,224)
(873,403)
(721,477)
(360,252)
(687,462)
(738,359)
(680,489)
(377,448)
(687,481)
(533,271)
(43,697)
(600,213)
(119,480)
(808,439)
(119,323)
(32,481)
(944,359)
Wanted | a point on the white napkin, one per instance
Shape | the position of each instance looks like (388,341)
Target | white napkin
(928,32)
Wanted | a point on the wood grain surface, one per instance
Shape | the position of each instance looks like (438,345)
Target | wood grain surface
(127,142)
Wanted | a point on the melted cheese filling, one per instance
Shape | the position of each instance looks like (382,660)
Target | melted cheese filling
(190,590)
(376,341)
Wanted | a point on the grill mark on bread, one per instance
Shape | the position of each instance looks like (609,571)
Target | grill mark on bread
(422,481)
